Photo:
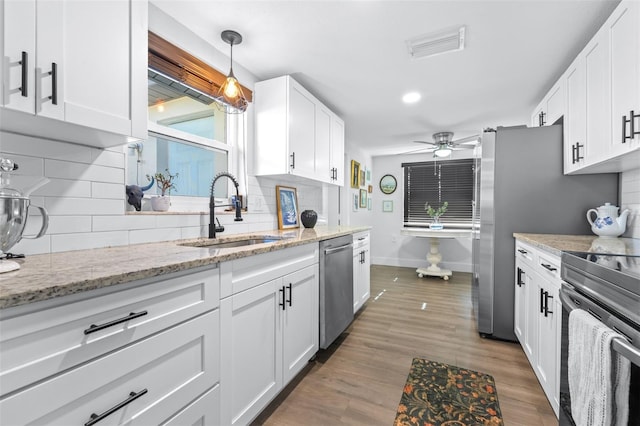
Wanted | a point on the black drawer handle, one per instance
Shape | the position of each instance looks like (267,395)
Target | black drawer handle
(548,267)
(95,418)
(24,63)
(93,328)
(282,303)
(519,280)
(522,251)
(293,160)
(290,287)
(54,83)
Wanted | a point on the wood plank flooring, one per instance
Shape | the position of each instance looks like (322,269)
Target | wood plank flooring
(359,379)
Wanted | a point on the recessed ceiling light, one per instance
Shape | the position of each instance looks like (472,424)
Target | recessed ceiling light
(411,98)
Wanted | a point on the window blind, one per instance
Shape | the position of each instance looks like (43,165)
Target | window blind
(435,182)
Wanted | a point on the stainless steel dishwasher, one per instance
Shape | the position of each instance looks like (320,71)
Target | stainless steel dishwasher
(336,288)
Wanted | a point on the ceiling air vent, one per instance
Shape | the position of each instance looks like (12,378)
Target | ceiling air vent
(431,44)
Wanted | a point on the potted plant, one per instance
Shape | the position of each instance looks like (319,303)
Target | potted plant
(165,184)
(435,214)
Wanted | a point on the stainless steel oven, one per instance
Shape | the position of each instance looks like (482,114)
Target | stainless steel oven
(608,287)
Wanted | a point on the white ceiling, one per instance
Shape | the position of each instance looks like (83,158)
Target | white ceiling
(352,55)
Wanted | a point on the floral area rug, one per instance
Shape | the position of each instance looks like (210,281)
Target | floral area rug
(439,394)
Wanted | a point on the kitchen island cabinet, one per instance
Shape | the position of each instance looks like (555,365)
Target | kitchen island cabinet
(269,331)
(361,269)
(50,89)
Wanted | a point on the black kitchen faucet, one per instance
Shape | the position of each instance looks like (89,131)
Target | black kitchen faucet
(212,224)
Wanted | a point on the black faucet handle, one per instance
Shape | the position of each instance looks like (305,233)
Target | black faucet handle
(238,204)
(219,228)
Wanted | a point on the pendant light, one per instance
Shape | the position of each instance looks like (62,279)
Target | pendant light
(231,92)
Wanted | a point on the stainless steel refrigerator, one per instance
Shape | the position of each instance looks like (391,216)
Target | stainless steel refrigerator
(521,188)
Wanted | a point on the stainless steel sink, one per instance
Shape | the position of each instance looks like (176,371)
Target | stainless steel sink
(215,243)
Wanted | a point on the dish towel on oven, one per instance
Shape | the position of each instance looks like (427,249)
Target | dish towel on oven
(598,376)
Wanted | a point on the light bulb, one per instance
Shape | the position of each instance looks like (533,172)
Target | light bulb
(231,89)
(442,152)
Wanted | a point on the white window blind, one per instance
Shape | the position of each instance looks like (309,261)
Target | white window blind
(436,182)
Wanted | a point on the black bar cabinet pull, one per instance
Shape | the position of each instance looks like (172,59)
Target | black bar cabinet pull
(522,251)
(519,279)
(282,298)
(95,418)
(578,157)
(548,267)
(541,300)
(633,132)
(573,154)
(293,160)
(624,128)
(54,83)
(547,311)
(93,328)
(24,63)
(290,287)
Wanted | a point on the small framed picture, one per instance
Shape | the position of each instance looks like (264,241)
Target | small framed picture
(362,177)
(355,202)
(355,174)
(363,198)
(287,207)
(388,184)
(370,189)
(387,206)
(368,176)
(369,203)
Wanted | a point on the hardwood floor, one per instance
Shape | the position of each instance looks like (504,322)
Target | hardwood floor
(359,379)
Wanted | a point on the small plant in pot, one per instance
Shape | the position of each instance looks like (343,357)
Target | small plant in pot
(165,184)
(435,214)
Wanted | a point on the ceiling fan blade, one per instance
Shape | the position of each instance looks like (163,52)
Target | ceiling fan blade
(426,150)
(470,140)
(426,142)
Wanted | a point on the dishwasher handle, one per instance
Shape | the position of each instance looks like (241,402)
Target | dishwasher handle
(339,248)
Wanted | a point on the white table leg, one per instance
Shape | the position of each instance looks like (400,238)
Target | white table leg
(434,257)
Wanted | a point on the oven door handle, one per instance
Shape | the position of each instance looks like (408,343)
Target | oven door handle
(620,345)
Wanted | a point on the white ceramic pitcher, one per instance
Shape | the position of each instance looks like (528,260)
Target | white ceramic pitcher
(607,222)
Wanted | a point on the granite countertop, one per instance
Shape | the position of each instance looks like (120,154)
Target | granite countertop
(557,243)
(46,276)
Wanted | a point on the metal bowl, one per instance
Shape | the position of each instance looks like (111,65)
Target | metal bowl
(14,212)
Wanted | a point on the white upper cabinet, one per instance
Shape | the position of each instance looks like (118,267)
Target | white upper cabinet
(603,98)
(551,108)
(84,75)
(623,31)
(295,133)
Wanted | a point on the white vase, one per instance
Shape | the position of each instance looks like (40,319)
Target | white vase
(161,203)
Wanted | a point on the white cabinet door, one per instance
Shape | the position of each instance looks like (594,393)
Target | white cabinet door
(538,117)
(623,29)
(302,116)
(532,312)
(361,270)
(520,310)
(19,54)
(547,352)
(203,411)
(365,276)
(555,102)
(574,123)
(300,320)
(357,258)
(323,144)
(337,150)
(596,60)
(251,369)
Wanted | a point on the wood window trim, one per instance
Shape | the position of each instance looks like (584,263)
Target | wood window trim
(181,65)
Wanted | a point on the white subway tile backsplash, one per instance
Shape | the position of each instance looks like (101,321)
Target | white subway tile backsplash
(181,220)
(194,232)
(108,158)
(83,206)
(80,171)
(108,190)
(31,246)
(83,241)
(123,222)
(65,188)
(69,224)
(630,199)
(154,235)
(27,165)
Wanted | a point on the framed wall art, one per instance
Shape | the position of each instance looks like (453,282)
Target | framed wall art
(362,177)
(387,206)
(287,207)
(388,184)
(355,202)
(363,198)
(355,174)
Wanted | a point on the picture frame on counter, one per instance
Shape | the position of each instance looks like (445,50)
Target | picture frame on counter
(363,198)
(287,207)
(355,174)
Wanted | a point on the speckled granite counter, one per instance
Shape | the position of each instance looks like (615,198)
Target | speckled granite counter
(46,276)
(556,244)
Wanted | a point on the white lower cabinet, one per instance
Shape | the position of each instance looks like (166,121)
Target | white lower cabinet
(203,411)
(269,332)
(538,315)
(134,356)
(361,270)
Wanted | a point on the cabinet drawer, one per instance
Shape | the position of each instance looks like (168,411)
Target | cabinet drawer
(39,344)
(525,252)
(203,411)
(174,367)
(360,240)
(548,266)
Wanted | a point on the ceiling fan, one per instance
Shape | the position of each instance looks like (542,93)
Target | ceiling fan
(443,144)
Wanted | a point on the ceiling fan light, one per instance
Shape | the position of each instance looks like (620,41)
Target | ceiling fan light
(411,98)
(442,152)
